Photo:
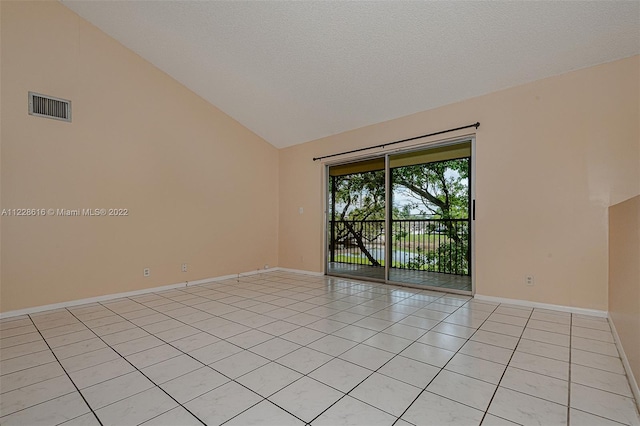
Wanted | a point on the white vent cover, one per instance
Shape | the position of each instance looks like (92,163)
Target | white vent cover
(49,107)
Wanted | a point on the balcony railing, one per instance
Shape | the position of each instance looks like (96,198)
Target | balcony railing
(435,245)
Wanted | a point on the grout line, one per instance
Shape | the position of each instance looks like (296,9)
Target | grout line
(507,366)
(148,378)
(445,365)
(65,371)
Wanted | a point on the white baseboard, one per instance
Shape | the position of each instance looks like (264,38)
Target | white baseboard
(301,271)
(625,362)
(106,297)
(529,304)
(77,302)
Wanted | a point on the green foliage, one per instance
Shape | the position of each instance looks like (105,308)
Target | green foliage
(440,188)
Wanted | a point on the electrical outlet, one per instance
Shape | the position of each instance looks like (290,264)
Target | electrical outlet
(266,266)
(184,267)
(528,279)
(146,272)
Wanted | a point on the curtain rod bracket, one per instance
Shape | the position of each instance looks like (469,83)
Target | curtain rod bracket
(476,125)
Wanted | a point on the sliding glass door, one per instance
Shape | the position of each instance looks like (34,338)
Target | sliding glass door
(403,218)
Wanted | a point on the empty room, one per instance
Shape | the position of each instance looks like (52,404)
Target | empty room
(319,213)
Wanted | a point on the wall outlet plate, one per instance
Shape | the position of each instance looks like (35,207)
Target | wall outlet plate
(146,272)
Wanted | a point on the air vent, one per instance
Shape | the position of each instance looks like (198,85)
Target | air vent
(50,107)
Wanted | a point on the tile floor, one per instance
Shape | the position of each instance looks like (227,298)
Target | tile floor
(289,349)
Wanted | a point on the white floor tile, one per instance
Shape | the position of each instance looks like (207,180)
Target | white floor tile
(30,395)
(222,403)
(454,330)
(89,359)
(249,338)
(171,368)
(137,408)
(429,354)
(433,410)
(54,411)
(580,418)
(113,390)
(527,410)
(195,341)
(477,368)
(410,371)
(546,337)
(495,339)
(79,348)
(193,384)
(238,364)
(306,398)
(174,417)
(275,348)
(265,414)
(303,336)
(27,361)
(30,376)
(590,333)
(153,356)
(215,352)
(491,420)
(463,389)
(545,387)
(100,373)
(486,352)
(547,350)
(367,356)
(541,365)
(304,360)
(269,379)
(332,345)
(549,326)
(604,404)
(502,328)
(590,345)
(355,333)
(23,349)
(441,340)
(388,342)
(352,412)
(600,379)
(594,360)
(385,393)
(88,419)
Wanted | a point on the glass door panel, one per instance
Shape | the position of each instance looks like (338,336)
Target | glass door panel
(430,218)
(356,220)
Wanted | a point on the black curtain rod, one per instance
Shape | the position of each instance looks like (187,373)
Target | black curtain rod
(476,125)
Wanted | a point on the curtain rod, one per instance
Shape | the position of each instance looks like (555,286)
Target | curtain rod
(382,145)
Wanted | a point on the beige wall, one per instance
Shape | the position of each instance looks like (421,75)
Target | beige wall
(200,188)
(624,277)
(552,156)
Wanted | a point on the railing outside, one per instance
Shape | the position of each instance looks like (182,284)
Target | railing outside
(435,245)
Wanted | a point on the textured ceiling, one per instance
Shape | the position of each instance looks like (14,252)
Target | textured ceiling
(297,71)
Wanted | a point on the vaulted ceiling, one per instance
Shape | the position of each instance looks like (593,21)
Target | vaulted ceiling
(297,71)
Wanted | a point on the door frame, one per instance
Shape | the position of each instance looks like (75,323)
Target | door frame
(416,147)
